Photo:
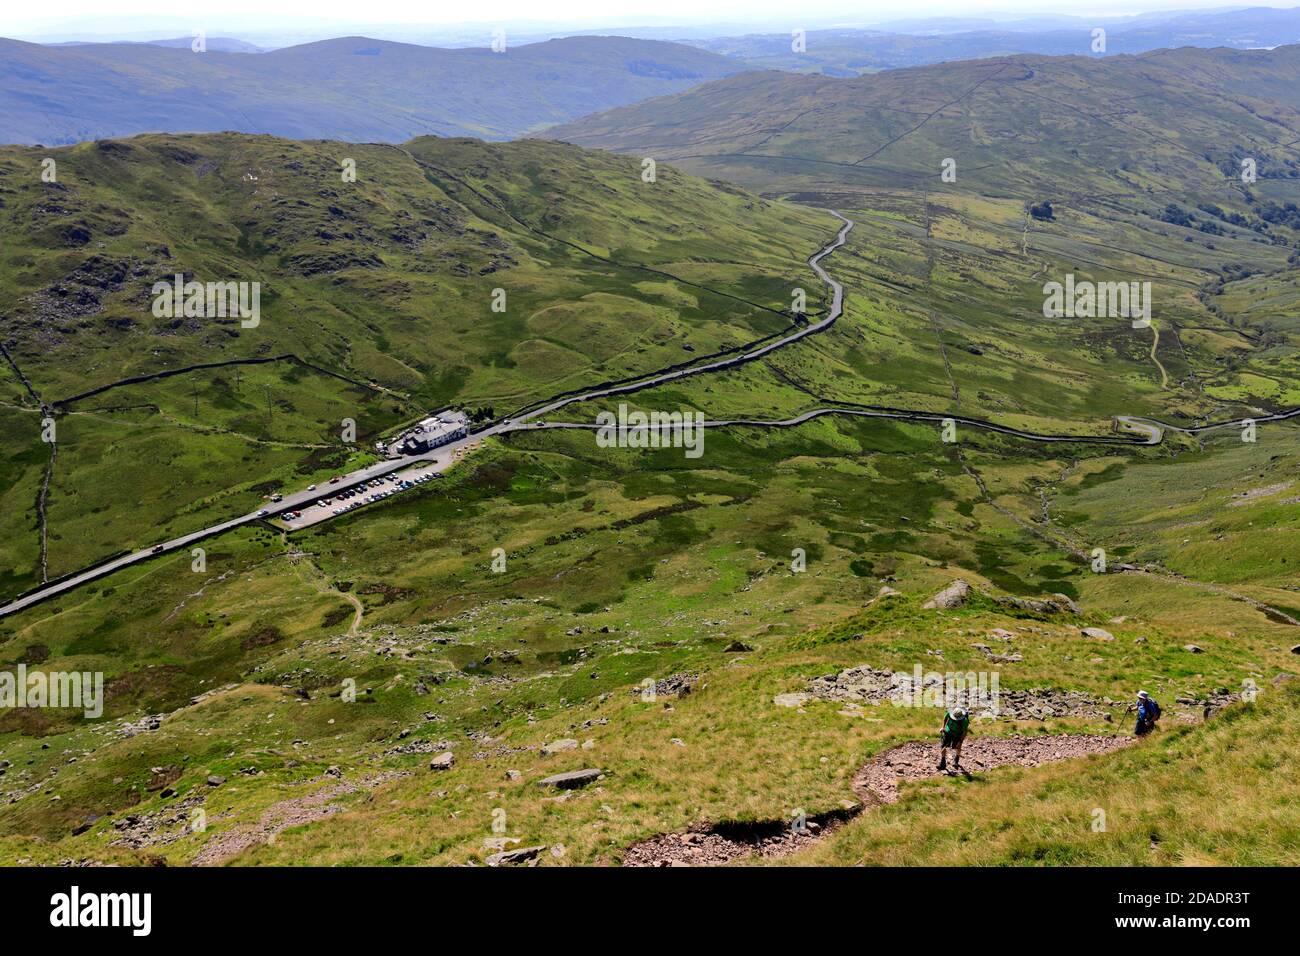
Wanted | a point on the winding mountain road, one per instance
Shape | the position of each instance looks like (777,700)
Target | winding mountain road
(1153,431)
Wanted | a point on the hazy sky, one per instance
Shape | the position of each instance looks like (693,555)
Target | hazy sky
(112,15)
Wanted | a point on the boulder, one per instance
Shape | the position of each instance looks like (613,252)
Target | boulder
(1099,633)
(442,761)
(1056,604)
(1193,649)
(797,699)
(513,857)
(571,780)
(953,596)
(1063,602)
(559,746)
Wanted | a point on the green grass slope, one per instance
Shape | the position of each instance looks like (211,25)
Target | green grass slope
(627,565)
(377,304)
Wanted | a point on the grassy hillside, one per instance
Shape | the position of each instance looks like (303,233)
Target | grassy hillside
(1187,798)
(350,88)
(1139,159)
(376,305)
(1017,125)
(297,689)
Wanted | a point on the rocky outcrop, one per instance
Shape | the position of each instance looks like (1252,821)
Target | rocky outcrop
(951,597)
(1056,604)
(571,780)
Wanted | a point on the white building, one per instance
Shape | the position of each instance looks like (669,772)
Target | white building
(435,431)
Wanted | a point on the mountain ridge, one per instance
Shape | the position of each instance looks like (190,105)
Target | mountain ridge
(349,88)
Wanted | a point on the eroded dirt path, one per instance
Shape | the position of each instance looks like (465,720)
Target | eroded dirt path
(281,816)
(878,781)
(875,784)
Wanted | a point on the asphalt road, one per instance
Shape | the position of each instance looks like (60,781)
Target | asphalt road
(442,458)
(1153,433)
(291,502)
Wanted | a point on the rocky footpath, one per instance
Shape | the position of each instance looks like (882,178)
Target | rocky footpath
(287,813)
(879,780)
(875,784)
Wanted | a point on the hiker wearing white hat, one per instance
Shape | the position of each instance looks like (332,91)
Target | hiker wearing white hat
(955,724)
(1148,712)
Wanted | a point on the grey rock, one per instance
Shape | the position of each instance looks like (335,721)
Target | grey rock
(797,699)
(514,857)
(953,596)
(571,780)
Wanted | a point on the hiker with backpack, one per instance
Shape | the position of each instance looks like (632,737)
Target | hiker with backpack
(1148,712)
(955,724)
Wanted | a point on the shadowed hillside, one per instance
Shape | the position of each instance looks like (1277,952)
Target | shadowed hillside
(352,88)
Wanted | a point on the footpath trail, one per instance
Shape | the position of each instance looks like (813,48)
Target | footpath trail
(876,784)
(1155,344)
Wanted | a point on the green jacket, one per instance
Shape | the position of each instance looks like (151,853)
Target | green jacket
(955,728)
